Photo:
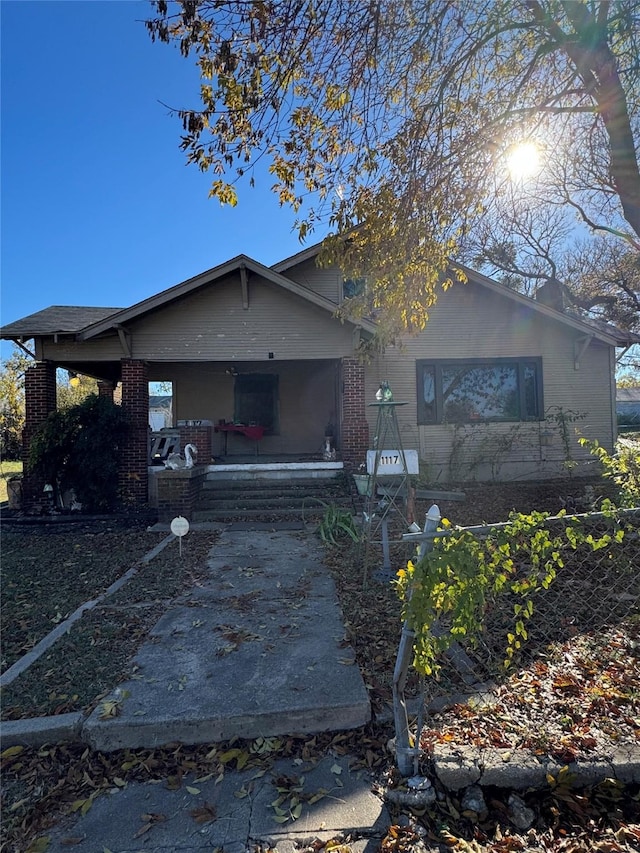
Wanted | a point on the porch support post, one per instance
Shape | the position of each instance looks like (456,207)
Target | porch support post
(39,400)
(354,433)
(134,463)
(105,389)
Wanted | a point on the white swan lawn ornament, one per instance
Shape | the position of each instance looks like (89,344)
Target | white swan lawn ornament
(175,462)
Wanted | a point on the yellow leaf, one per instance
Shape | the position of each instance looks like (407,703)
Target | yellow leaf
(281,818)
(193,790)
(10,751)
(228,755)
(39,845)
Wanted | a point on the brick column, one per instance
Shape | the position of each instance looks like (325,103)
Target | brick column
(39,400)
(105,389)
(354,433)
(134,463)
(200,436)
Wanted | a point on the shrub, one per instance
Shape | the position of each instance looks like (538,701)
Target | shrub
(79,449)
(623,467)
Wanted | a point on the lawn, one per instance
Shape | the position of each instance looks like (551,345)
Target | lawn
(7,470)
(48,570)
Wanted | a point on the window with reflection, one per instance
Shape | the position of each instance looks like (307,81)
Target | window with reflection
(475,390)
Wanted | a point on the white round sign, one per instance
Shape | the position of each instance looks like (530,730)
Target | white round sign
(179,526)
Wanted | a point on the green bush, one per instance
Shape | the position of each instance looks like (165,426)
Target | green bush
(623,467)
(79,448)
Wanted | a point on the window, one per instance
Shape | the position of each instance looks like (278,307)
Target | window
(474,390)
(256,400)
(353,287)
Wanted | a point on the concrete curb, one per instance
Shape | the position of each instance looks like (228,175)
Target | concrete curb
(459,767)
(455,769)
(37,731)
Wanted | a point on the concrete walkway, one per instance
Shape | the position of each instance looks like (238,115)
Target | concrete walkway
(234,815)
(259,650)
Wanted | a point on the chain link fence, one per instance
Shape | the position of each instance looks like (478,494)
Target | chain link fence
(571,694)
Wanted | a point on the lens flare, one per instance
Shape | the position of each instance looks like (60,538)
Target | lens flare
(523,160)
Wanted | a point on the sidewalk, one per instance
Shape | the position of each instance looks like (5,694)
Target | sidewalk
(233,815)
(259,650)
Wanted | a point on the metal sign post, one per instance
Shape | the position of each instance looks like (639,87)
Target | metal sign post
(179,528)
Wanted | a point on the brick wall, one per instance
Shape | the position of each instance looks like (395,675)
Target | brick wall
(354,433)
(178,492)
(105,389)
(39,399)
(133,475)
(201,437)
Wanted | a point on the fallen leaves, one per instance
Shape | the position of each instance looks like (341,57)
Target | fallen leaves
(148,822)
(206,813)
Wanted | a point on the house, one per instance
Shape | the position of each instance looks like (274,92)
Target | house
(628,407)
(495,386)
(160,416)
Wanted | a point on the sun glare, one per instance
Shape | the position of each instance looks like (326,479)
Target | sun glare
(523,160)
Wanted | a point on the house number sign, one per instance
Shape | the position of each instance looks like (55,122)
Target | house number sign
(390,462)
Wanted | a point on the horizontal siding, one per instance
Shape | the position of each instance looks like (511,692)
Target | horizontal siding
(105,349)
(325,282)
(470,322)
(212,324)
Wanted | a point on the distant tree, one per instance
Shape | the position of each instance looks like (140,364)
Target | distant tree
(396,119)
(526,248)
(12,404)
(70,393)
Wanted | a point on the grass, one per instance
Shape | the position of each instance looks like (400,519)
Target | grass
(7,469)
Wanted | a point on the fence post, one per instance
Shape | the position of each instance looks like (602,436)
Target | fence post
(404,753)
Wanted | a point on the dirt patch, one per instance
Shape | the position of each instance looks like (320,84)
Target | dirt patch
(49,570)
(75,566)
(487,503)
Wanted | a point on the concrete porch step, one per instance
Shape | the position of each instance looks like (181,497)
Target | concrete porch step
(275,471)
(262,501)
(301,498)
(292,488)
(277,513)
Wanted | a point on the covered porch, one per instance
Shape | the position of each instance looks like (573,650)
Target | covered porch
(304,410)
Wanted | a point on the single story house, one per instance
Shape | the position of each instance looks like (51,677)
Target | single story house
(495,386)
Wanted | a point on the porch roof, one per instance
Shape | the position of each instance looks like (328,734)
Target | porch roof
(57,319)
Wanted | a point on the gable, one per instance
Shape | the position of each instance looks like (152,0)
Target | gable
(221,321)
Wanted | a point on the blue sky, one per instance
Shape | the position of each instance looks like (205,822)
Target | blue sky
(98,205)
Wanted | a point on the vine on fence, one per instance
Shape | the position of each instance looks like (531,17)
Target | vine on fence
(446,594)
(623,467)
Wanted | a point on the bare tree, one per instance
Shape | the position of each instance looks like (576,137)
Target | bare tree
(389,120)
